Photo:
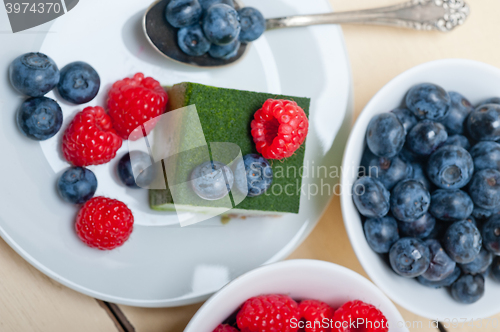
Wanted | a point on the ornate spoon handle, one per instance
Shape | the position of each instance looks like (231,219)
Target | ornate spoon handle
(441,15)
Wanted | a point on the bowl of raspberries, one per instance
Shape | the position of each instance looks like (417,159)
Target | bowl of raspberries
(421,189)
(298,295)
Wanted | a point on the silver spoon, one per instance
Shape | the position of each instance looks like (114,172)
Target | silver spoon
(440,15)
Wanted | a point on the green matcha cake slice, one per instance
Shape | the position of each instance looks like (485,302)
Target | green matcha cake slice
(225,116)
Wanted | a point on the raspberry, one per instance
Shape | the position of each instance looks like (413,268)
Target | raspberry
(279,128)
(134,101)
(104,223)
(268,313)
(374,320)
(90,139)
(316,313)
(225,328)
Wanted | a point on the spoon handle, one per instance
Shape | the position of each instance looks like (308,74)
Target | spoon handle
(441,15)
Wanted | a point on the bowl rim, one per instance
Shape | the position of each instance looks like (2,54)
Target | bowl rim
(346,200)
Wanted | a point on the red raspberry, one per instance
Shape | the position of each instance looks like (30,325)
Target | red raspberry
(269,313)
(279,128)
(90,139)
(104,223)
(133,101)
(317,314)
(374,320)
(225,328)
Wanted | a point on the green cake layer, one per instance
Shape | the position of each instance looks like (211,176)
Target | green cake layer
(225,116)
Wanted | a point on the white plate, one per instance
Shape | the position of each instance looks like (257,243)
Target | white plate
(476,81)
(164,265)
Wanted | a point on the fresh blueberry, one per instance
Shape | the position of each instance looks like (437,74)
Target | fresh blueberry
(483,123)
(462,241)
(480,264)
(420,228)
(441,265)
(426,137)
(79,83)
(419,175)
(486,155)
(224,51)
(406,117)
(33,74)
(468,289)
(494,100)
(448,281)
(428,101)
(385,135)
(390,171)
(495,269)
(409,257)
(484,189)
(409,200)
(205,4)
(364,167)
(459,111)
(472,220)
(451,205)
(253,24)
(381,233)
(212,180)
(482,214)
(370,197)
(450,167)
(221,24)
(183,13)
(458,140)
(40,118)
(77,185)
(259,174)
(192,40)
(136,163)
(491,235)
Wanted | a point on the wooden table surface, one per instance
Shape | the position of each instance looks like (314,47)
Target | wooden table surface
(30,301)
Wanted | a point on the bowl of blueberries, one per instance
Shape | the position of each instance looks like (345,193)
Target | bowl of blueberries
(421,189)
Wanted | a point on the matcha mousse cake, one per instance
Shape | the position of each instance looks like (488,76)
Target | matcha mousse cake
(225,116)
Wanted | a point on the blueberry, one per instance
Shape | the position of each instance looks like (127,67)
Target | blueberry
(224,51)
(409,257)
(483,123)
(419,175)
(205,4)
(406,117)
(495,269)
(136,163)
(420,228)
(409,200)
(480,264)
(462,241)
(253,24)
(481,214)
(183,13)
(428,101)
(33,74)
(458,140)
(484,189)
(364,167)
(426,137)
(448,281)
(472,220)
(486,155)
(468,289)
(39,118)
(438,231)
(450,167)
(79,83)
(192,40)
(441,265)
(494,100)
(390,171)
(451,205)
(259,174)
(459,111)
(385,135)
(491,235)
(212,180)
(381,233)
(408,155)
(221,24)
(77,185)
(370,197)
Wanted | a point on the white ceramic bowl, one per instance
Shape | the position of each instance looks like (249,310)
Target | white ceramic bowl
(476,81)
(300,279)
